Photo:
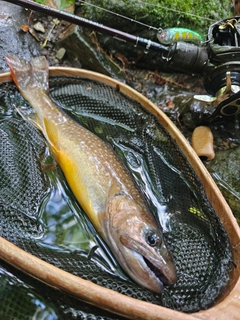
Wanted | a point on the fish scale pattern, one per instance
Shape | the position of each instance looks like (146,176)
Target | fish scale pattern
(194,234)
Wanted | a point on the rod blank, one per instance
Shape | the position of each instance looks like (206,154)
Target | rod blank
(148,44)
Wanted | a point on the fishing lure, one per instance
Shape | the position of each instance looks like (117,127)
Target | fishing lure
(170,35)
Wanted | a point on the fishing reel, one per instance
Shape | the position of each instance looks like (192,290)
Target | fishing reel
(221,81)
(217,58)
(222,71)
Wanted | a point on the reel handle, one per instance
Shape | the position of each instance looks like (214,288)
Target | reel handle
(202,142)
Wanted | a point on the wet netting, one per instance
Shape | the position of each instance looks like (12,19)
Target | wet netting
(40,215)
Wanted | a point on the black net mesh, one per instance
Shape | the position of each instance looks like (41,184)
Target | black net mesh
(28,180)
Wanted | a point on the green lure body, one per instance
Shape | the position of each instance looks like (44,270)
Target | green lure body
(170,35)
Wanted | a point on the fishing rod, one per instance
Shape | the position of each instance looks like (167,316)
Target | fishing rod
(146,43)
(179,56)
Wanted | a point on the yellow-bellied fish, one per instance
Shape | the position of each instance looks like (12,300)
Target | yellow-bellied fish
(100,182)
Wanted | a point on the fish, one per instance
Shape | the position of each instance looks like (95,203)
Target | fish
(100,182)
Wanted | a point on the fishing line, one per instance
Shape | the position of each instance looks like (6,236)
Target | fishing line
(146,4)
(118,15)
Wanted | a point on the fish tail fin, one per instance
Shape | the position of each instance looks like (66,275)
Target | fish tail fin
(29,76)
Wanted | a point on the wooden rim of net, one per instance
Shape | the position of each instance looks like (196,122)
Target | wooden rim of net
(229,302)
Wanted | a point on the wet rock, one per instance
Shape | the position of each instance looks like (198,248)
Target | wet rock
(83,52)
(14,41)
(192,112)
(60,53)
(38,26)
(225,171)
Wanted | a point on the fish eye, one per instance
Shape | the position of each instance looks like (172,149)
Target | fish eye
(152,239)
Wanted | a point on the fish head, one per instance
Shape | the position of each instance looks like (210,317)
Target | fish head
(138,242)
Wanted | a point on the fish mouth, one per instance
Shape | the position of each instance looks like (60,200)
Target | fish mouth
(155,270)
(159,275)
